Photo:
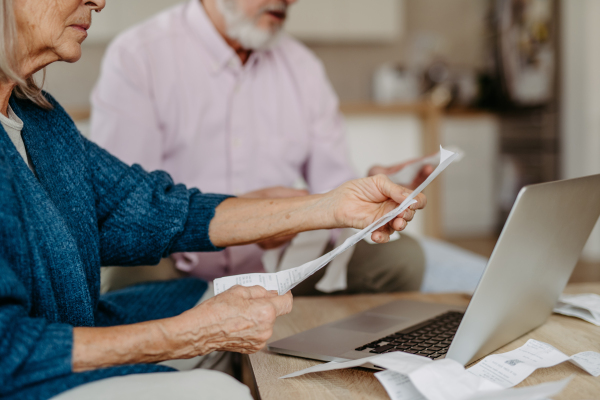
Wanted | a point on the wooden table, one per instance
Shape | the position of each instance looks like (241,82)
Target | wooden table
(262,369)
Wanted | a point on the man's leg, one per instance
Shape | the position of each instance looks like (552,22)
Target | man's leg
(114,278)
(377,268)
(198,384)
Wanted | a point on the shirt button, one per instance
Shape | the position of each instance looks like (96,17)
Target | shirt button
(237,142)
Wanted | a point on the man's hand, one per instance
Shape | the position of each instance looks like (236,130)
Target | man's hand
(420,178)
(276,192)
(240,320)
(360,202)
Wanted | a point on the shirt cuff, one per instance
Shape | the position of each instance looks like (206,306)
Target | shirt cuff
(195,236)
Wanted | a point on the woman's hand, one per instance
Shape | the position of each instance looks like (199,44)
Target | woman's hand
(360,202)
(239,320)
(418,179)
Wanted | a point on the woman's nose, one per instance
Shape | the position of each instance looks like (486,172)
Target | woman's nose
(96,5)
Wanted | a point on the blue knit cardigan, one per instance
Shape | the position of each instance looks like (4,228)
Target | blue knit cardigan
(85,209)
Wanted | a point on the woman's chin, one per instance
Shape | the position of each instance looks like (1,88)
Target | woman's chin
(72,54)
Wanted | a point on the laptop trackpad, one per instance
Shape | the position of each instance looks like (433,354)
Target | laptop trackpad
(368,323)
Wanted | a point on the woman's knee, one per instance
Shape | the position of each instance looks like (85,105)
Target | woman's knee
(198,384)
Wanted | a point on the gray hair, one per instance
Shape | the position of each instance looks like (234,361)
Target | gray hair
(26,88)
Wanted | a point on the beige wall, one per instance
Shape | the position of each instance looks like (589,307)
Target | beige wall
(460,24)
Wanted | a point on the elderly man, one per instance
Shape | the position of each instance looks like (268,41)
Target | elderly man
(214,93)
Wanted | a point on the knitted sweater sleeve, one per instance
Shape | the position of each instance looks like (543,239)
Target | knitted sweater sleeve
(32,350)
(143,216)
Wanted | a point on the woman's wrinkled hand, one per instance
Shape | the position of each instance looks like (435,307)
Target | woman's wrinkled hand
(239,320)
(360,202)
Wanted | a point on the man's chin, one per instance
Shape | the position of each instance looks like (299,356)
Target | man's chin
(256,39)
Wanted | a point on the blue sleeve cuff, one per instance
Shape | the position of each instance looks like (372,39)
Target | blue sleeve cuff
(195,235)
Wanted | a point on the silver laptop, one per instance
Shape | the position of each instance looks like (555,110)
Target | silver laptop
(529,268)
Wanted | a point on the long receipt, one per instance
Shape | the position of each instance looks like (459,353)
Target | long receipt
(284,281)
(412,377)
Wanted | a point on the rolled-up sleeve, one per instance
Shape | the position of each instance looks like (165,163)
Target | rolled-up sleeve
(143,216)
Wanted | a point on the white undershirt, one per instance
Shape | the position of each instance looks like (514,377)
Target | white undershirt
(13,126)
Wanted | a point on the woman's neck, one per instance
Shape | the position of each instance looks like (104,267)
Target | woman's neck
(6,89)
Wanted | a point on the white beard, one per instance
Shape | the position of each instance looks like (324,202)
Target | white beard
(243,29)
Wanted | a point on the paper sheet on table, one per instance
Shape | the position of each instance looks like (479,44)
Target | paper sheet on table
(511,368)
(447,380)
(400,387)
(585,306)
(284,281)
(412,377)
(399,361)
(535,392)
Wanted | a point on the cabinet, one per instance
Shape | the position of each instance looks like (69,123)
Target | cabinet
(346,20)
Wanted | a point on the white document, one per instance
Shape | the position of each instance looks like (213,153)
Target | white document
(398,386)
(511,368)
(412,377)
(409,172)
(398,361)
(447,380)
(535,392)
(588,361)
(286,280)
(336,274)
(330,366)
(585,306)
(304,247)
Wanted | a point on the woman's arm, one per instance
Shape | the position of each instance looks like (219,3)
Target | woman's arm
(239,320)
(355,204)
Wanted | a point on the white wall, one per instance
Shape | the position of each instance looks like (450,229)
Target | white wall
(580,127)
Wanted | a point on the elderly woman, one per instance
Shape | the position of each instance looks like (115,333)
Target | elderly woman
(67,207)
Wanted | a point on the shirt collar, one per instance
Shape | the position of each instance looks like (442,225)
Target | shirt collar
(222,55)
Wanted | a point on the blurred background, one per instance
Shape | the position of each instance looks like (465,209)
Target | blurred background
(513,83)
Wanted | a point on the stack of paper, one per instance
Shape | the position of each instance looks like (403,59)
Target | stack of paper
(412,377)
(585,306)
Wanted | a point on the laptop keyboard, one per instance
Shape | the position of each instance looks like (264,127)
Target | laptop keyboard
(430,338)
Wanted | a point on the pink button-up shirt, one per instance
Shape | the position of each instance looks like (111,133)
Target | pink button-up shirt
(173,95)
